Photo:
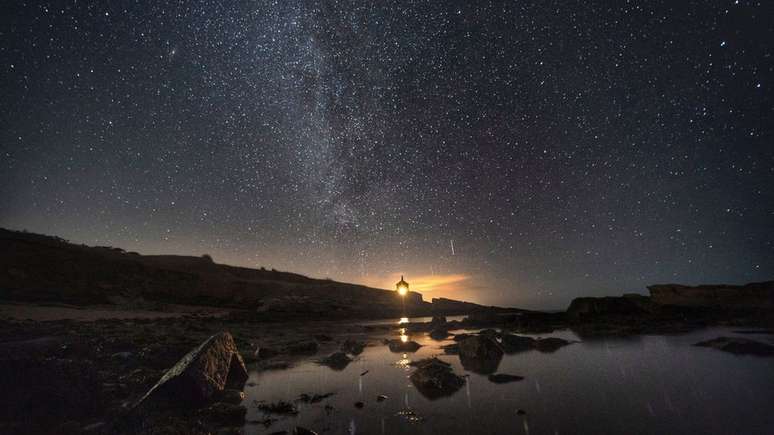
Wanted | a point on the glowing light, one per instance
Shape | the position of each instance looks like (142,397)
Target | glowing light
(403,320)
(402,290)
(403,336)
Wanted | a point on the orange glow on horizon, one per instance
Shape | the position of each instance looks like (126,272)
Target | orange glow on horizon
(452,286)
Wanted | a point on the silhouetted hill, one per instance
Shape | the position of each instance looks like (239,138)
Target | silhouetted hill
(38,268)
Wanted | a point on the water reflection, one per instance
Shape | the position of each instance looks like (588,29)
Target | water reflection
(606,384)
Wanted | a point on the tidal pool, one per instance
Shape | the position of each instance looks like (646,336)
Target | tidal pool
(644,384)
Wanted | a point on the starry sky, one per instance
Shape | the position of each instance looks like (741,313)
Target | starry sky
(515,153)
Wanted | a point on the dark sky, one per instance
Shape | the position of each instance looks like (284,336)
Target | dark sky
(517,153)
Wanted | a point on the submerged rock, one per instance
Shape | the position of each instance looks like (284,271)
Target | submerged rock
(480,354)
(315,398)
(280,407)
(503,378)
(550,344)
(204,371)
(435,378)
(353,347)
(336,361)
(398,345)
(739,346)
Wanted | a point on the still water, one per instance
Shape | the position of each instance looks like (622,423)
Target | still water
(644,384)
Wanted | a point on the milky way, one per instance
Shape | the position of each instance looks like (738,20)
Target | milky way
(514,153)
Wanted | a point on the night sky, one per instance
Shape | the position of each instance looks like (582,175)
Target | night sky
(520,153)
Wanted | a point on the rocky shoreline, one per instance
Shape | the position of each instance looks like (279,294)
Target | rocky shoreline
(81,377)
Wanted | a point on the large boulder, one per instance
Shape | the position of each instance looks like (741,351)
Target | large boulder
(435,378)
(204,371)
(480,354)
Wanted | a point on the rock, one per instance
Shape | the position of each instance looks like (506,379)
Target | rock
(206,370)
(353,347)
(359,405)
(460,337)
(739,346)
(512,343)
(439,334)
(550,344)
(480,354)
(323,338)
(122,355)
(221,413)
(381,398)
(435,378)
(303,348)
(502,378)
(398,345)
(303,431)
(280,407)
(336,361)
(521,412)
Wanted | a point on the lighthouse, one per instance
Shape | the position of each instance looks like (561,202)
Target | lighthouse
(402,287)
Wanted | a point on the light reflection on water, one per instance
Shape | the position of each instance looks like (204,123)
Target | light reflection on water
(644,384)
